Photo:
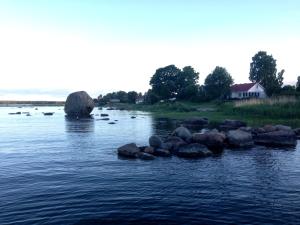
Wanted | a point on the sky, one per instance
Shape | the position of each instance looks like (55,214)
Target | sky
(49,48)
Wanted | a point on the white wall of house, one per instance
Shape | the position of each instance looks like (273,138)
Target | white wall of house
(257,91)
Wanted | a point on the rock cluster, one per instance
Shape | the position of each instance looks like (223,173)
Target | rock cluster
(234,134)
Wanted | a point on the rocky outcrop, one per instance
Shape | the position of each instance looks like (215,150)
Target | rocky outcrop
(129,151)
(276,138)
(79,104)
(214,140)
(239,139)
(232,125)
(183,133)
(194,150)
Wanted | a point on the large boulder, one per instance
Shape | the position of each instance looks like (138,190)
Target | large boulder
(232,125)
(194,150)
(276,138)
(79,104)
(214,140)
(239,139)
(155,141)
(195,122)
(183,133)
(129,151)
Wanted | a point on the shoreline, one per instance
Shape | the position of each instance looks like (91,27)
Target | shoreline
(17,103)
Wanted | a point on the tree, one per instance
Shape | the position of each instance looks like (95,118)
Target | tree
(132,97)
(163,82)
(169,81)
(263,70)
(298,84)
(217,84)
(186,83)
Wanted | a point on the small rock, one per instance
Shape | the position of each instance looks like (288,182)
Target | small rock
(104,114)
(162,152)
(283,127)
(149,150)
(129,150)
(111,123)
(145,156)
(133,117)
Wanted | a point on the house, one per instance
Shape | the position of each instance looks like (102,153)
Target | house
(248,90)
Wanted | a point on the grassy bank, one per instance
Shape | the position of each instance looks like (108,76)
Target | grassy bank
(255,112)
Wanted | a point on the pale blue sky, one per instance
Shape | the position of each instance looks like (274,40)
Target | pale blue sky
(102,46)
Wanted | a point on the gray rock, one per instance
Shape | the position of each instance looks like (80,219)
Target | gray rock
(162,152)
(214,140)
(104,114)
(194,150)
(145,156)
(79,104)
(183,133)
(232,125)
(111,123)
(239,139)
(129,150)
(173,143)
(155,141)
(277,138)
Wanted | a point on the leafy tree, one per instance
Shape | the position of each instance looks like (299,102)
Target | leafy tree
(132,97)
(169,81)
(217,84)
(298,84)
(163,82)
(186,83)
(150,97)
(263,70)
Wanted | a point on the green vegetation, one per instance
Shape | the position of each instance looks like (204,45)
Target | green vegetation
(284,111)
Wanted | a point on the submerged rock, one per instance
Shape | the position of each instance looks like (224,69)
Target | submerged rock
(195,122)
(239,139)
(129,150)
(79,104)
(145,156)
(194,150)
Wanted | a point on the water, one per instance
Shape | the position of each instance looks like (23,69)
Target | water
(55,171)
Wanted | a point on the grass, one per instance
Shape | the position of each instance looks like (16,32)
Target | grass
(255,112)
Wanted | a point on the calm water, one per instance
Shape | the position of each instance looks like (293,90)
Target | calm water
(55,171)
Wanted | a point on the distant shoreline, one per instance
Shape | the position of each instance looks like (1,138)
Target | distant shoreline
(4,103)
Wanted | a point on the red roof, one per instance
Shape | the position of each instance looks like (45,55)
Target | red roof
(241,87)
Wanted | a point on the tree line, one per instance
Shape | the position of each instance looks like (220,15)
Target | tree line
(171,82)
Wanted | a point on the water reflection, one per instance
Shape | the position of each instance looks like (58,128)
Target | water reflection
(79,125)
